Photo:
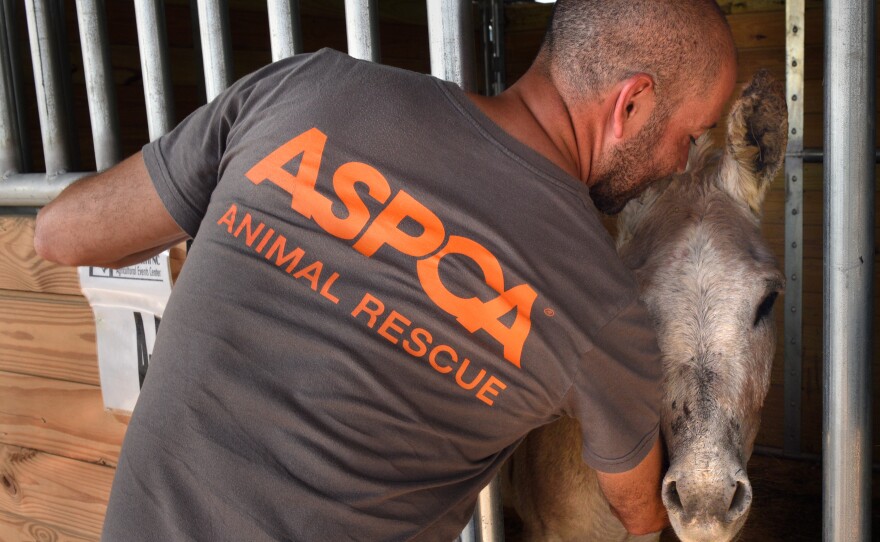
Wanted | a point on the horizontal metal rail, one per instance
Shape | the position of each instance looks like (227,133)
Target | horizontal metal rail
(817,156)
(34,189)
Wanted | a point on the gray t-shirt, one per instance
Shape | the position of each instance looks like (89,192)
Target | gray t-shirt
(385,293)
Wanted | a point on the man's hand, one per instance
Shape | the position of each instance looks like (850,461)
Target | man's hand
(111,219)
(634,495)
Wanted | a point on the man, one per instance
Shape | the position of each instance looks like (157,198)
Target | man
(392,282)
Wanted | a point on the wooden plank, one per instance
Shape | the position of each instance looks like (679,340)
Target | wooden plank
(62,418)
(54,491)
(22,269)
(48,335)
(18,529)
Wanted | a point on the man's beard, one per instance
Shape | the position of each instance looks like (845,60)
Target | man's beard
(629,170)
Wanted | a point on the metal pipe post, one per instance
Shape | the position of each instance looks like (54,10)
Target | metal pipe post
(58,18)
(451,41)
(99,82)
(15,82)
(153,45)
(794,223)
(216,53)
(362,29)
(848,269)
(54,127)
(285,33)
(493,46)
(491,518)
(10,140)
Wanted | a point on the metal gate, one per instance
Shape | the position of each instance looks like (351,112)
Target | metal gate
(849,176)
(452,57)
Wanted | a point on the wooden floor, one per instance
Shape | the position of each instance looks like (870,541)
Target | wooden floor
(787,505)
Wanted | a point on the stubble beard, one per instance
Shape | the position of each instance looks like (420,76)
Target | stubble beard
(629,170)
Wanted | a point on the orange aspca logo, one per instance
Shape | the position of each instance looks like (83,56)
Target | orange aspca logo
(428,248)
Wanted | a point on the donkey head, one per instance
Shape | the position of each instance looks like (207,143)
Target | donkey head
(710,281)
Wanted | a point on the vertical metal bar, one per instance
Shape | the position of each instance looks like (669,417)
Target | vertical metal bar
(493,46)
(153,45)
(57,15)
(850,35)
(216,53)
(362,29)
(491,520)
(469,534)
(198,64)
(15,80)
(285,33)
(99,82)
(794,223)
(48,80)
(10,139)
(451,41)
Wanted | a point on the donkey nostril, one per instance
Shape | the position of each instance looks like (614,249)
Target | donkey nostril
(671,498)
(742,498)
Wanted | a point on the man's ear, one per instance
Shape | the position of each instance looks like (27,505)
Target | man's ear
(634,104)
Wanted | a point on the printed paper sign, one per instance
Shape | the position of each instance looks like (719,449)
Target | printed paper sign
(128,304)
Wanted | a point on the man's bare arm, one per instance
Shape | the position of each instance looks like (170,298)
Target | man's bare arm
(634,495)
(111,219)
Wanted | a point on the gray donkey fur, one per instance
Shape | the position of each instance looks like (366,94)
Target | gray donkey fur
(709,281)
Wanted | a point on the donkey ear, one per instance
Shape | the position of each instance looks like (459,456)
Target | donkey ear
(757,135)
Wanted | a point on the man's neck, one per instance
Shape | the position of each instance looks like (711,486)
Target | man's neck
(533,112)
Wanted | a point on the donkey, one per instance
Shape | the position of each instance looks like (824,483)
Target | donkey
(709,281)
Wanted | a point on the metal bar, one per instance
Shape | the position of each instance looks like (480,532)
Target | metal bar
(58,19)
(451,41)
(849,137)
(10,139)
(285,33)
(48,81)
(491,520)
(198,64)
(794,224)
(150,16)
(214,30)
(99,82)
(469,534)
(817,156)
(493,46)
(362,29)
(11,8)
(34,189)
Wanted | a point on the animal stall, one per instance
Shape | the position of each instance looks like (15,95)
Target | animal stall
(110,76)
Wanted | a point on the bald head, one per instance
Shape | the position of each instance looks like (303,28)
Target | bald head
(593,44)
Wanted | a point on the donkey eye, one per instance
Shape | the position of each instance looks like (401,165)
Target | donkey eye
(765,308)
(693,141)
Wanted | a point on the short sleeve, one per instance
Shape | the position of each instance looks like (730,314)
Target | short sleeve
(616,395)
(184,164)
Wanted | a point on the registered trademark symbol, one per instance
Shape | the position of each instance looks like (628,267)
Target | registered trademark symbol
(549,312)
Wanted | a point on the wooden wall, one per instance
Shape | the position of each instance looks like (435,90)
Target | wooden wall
(58,446)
